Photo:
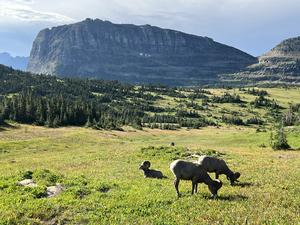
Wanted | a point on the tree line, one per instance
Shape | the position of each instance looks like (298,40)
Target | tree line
(51,101)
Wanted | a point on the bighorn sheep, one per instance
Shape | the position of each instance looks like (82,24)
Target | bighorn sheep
(218,166)
(185,170)
(149,173)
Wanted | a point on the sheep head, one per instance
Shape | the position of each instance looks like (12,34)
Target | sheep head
(145,165)
(237,175)
(233,177)
(214,187)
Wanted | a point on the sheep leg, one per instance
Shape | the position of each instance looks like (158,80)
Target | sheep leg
(217,176)
(176,184)
(193,187)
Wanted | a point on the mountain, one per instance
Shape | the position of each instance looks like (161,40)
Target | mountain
(18,62)
(130,53)
(280,65)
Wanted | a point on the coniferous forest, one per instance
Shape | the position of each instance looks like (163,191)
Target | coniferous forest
(53,102)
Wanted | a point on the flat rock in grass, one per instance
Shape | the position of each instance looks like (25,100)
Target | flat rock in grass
(27,183)
(53,191)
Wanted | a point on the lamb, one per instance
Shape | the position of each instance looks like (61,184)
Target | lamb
(218,166)
(185,170)
(149,173)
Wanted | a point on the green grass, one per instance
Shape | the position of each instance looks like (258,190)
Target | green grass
(99,170)
(103,185)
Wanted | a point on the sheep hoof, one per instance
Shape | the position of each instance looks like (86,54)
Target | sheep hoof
(214,196)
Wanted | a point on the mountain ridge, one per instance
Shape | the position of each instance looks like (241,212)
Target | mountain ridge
(130,53)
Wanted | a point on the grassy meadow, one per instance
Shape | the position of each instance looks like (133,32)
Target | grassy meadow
(99,170)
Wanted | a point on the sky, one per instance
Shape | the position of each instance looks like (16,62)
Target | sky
(254,26)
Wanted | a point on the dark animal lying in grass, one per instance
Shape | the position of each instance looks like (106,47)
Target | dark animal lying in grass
(149,173)
(184,170)
(218,166)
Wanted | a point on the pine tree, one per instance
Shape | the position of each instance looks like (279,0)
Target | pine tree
(279,139)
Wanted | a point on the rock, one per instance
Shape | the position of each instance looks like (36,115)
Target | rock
(27,183)
(130,53)
(53,191)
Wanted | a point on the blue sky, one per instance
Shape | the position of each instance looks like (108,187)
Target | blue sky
(254,26)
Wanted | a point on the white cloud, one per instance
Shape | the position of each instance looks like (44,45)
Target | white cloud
(251,25)
(22,10)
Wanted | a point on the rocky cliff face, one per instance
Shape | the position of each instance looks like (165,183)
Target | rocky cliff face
(101,49)
(281,64)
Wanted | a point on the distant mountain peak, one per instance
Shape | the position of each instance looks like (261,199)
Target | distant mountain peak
(281,65)
(17,62)
(287,48)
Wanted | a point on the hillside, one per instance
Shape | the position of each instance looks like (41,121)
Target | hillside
(280,65)
(130,53)
(53,102)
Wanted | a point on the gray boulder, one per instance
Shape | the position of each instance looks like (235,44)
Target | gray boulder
(27,183)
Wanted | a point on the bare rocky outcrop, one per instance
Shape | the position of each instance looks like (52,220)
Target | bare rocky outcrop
(53,191)
(27,183)
(50,192)
(136,54)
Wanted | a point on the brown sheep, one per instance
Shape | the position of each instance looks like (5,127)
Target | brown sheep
(214,165)
(185,170)
(149,173)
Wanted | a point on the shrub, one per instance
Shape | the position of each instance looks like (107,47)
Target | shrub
(37,192)
(105,187)
(292,116)
(81,192)
(261,101)
(27,175)
(46,177)
(187,114)
(175,152)
(254,120)
(257,92)
(279,140)
(227,98)
(233,120)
